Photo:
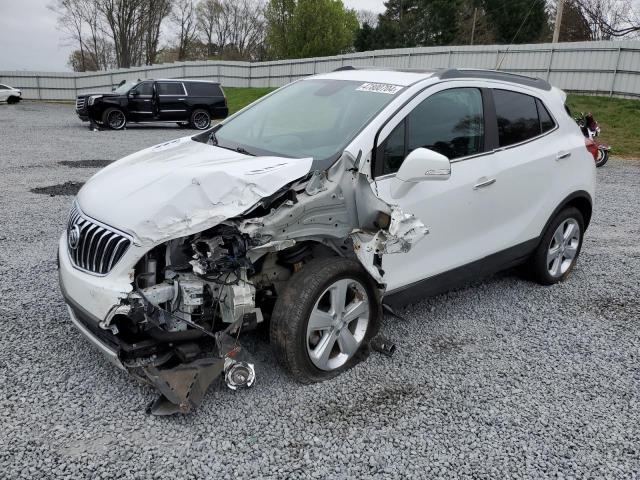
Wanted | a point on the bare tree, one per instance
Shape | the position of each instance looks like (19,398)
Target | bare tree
(610,18)
(212,25)
(368,17)
(182,16)
(232,28)
(155,12)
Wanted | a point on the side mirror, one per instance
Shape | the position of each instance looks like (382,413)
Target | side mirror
(133,94)
(424,164)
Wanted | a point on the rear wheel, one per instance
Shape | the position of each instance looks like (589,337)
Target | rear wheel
(603,157)
(200,119)
(557,254)
(114,118)
(324,319)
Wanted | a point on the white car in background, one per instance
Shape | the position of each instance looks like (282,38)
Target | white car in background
(312,207)
(9,94)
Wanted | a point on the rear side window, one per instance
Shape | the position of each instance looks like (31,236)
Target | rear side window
(546,122)
(517,117)
(172,88)
(449,122)
(203,89)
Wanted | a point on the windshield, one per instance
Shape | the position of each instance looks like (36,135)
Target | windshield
(310,118)
(124,88)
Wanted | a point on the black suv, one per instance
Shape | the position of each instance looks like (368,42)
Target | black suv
(187,102)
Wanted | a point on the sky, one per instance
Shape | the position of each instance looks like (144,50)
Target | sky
(29,39)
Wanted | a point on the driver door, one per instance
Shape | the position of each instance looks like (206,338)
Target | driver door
(462,212)
(141,102)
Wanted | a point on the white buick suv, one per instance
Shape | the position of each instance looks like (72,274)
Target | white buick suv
(313,207)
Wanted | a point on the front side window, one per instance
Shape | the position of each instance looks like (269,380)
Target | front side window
(3,87)
(517,117)
(172,88)
(145,88)
(310,118)
(450,122)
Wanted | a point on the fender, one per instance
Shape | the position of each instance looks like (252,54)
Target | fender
(577,199)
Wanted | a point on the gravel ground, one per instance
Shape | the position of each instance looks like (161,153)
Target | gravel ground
(503,378)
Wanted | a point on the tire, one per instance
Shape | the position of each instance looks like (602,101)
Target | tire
(549,264)
(13,99)
(114,118)
(603,157)
(200,119)
(310,291)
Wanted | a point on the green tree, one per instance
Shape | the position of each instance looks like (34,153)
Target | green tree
(517,21)
(412,23)
(309,28)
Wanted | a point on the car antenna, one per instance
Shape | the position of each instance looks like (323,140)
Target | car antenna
(499,64)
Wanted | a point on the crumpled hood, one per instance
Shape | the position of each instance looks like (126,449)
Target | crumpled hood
(183,187)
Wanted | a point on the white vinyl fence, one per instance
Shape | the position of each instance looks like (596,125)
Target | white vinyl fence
(600,68)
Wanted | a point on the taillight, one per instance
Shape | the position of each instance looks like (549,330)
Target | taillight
(592,148)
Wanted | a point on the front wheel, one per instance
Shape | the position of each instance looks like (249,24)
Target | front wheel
(13,99)
(114,118)
(324,319)
(603,156)
(558,251)
(200,119)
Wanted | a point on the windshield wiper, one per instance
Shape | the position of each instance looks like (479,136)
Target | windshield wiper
(244,151)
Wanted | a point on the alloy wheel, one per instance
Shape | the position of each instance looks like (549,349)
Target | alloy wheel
(338,323)
(563,247)
(201,120)
(116,119)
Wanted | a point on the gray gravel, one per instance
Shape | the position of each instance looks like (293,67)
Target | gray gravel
(501,379)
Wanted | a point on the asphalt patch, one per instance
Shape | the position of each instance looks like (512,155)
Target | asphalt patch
(85,163)
(66,188)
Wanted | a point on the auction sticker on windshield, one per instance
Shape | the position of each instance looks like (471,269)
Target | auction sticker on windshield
(379,88)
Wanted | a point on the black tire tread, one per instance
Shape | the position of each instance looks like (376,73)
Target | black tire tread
(294,304)
(537,265)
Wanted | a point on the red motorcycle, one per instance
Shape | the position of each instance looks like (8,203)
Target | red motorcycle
(590,129)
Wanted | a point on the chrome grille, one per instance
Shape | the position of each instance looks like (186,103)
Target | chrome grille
(93,247)
(80,102)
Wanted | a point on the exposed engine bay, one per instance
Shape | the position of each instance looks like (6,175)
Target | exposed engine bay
(194,296)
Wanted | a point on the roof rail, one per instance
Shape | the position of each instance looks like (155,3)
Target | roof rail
(453,73)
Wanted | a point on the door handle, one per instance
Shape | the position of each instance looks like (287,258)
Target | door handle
(484,183)
(562,155)
(181,99)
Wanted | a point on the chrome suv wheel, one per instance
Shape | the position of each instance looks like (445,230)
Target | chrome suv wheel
(114,118)
(200,119)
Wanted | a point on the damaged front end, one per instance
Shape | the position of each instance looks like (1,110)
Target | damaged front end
(193,297)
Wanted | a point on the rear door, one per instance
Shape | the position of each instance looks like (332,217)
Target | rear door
(461,213)
(530,152)
(172,99)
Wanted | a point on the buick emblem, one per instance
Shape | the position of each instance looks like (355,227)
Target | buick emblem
(74,237)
